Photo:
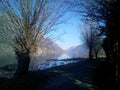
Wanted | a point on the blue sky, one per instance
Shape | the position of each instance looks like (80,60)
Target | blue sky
(70,32)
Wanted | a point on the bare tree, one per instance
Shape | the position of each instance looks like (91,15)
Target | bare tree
(97,47)
(91,28)
(29,21)
(91,38)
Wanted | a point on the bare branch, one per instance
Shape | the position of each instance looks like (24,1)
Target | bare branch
(30,20)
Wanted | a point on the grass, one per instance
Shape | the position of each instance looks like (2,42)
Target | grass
(85,75)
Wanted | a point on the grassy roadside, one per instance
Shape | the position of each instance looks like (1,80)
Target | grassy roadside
(85,75)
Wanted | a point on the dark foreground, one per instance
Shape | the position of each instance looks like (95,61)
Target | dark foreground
(85,75)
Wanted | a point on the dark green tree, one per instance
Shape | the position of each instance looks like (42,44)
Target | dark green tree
(107,12)
(90,38)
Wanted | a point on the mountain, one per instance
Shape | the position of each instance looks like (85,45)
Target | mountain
(47,51)
(78,51)
(49,46)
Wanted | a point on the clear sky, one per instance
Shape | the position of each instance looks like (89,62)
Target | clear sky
(70,32)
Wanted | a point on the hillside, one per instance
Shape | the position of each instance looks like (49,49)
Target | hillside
(48,50)
(51,45)
(82,51)
(78,51)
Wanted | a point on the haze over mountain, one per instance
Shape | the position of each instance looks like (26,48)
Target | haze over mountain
(48,49)
(83,51)
(78,51)
(50,45)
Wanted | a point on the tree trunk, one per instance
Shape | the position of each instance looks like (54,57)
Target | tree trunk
(90,54)
(108,48)
(96,55)
(23,64)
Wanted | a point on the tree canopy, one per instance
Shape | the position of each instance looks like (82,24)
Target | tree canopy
(28,22)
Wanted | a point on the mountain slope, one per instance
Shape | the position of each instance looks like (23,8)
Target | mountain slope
(50,46)
(78,51)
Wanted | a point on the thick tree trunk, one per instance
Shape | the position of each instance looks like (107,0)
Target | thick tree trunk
(96,55)
(108,48)
(23,64)
(111,57)
(90,54)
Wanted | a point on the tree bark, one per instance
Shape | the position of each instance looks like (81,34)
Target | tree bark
(23,64)
(96,55)
(90,54)
(108,48)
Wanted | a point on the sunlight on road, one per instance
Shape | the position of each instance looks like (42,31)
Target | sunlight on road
(69,77)
(59,71)
(85,85)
